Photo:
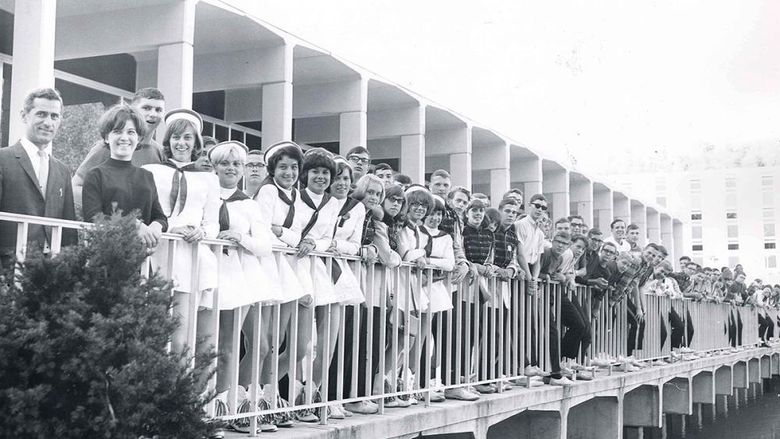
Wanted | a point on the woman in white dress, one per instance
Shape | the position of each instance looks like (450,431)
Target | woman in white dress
(190,200)
(347,234)
(277,199)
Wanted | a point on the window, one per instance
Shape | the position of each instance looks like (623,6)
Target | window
(771,261)
(769,230)
(732,231)
(697,247)
(661,201)
(696,216)
(733,246)
(769,245)
(731,215)
(696,232)
(731,183)
(733,261)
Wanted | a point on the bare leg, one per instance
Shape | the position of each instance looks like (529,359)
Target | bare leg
(324,358)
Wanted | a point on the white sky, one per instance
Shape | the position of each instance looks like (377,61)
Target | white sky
(579,76)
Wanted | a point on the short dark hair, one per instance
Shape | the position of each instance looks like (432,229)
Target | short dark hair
(382,167)
(117,116)
(562,220)
(148,93)
(402,178)
(594,231)
(251,151)
(290,151)
(493,215)
(47,93)
(316,159)
(460,189)
(632,226)
(340,168)
(610,244)
(615,221)
(538,197)
(662,249)
(580,237)
(514,190)
(506,201)
(688,258)
(579,217)
(358,150)
(563,234)
(208,140)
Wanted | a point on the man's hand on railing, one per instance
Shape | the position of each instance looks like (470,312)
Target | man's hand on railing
(460,272)
(230,235)
(600,283)
(150,235)
(305,247)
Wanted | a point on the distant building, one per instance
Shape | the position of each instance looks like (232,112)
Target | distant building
(730,215)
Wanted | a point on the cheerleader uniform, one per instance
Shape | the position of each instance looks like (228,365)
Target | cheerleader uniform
(439,250)
(278,205)
(250,275)
(188,198)
(347,235)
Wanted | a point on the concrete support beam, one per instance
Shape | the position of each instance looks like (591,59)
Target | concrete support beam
(596,418)
(704,388)
(775,364)
(34,35)
(239,69)
(396,122)
(460,169)
(277,113)
(582,199)
(724,381)
(412,161)
(642,407)
(602,208)
(639,217)
(740,372)
(555,184)
(529,423)
(621,208)
(353,131)
(679,248)
(455,143)
(526,174)
(754,371)
(677,396)
(667,236)
(495,158)
(499,184)
(766,367)
(314,100)
(653,221)
(174,74)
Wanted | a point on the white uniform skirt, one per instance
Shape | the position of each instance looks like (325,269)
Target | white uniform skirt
(244,280)
(439,299)
(181,273)
(347,286)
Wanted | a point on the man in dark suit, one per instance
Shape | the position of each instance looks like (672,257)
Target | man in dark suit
(32,181)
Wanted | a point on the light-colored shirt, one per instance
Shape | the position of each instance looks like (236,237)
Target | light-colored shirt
(531,239)
(32,151)
(625,246)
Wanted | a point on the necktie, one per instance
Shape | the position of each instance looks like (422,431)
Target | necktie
(43,170)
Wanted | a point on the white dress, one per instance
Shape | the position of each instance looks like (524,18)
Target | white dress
(200,208)
(275,210)
(250,275)
(347,235)
(311,269)
(442,257)
(411,246)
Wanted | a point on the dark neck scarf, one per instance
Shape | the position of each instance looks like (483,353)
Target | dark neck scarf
(345,209)
(309,202)
(224,214)
(368,229)
(179,185)
(429,244)
(290,202)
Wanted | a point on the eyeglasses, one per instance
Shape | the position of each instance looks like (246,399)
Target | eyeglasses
(418,206)
(358,160)
(396,200)
(539,206)
(608,251)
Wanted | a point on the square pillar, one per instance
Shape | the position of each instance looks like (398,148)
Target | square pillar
(277,113)
(582,199)
(603,208)
(174,74)
(555,183)
(653,226)
(526,175)
(353,130)
(412,161)
(499,184)
(667,236)
(622,208)
(460,169)
(677,235)
(34,26)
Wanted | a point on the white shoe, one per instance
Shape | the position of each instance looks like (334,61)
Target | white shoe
(362,407)
(562,381)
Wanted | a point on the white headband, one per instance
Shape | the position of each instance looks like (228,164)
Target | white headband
(228,144)
(185,114)
(276,147)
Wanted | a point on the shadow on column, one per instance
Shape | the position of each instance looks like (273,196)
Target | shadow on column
(529,424)
(596,418)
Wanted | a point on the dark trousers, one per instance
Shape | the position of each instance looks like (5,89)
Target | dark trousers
(765,327)
(493,341)
(636,329)
(449,350)
(735,328)
(363,355)
(577,326)
(678,328)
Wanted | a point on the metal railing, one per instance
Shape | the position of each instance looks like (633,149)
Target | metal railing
(396,348)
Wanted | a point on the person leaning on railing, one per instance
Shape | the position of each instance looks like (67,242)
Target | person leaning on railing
(32,181)
(116,186)
(190,200)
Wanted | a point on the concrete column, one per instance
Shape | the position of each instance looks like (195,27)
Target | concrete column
(582,198)
(526,174)
(677,396)
(596,418)
(639,217)
(740,375)
(653,220)
(642,407)
(677,234)
(667,237)
(603,208)
(724,381)
(277,113)
(412,161)
(556,185)
(704,388)
(174,74)
(622,208)
(460,169)
(353,125)
(34,25)
(499,184)
(353,131)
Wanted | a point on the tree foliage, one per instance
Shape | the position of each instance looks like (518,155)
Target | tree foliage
(83,342)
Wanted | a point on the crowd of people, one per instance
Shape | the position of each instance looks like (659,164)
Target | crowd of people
(466,250)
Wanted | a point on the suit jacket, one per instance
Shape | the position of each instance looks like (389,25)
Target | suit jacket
(20,193)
